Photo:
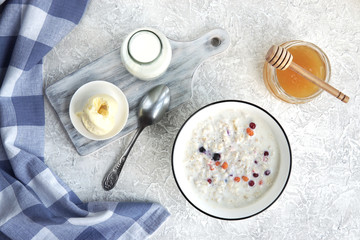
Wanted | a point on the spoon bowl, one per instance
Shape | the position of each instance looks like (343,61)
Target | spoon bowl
(152,108)
(154,105)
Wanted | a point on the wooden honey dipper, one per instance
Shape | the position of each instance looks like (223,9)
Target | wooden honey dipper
(281,58)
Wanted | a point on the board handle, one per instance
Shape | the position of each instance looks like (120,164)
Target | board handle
(216,40)
(209,44)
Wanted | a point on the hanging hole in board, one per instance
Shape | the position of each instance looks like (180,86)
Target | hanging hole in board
(215,41)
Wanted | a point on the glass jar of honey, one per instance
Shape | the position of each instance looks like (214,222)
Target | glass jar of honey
(288,85)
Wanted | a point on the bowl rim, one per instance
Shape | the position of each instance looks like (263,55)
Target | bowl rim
(119,93)
(242,102)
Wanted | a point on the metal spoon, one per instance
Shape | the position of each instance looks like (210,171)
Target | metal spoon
(151,109)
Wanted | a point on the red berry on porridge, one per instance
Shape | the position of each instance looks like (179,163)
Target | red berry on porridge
(251,183)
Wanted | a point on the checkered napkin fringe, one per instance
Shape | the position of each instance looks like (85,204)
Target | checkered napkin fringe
(34,203)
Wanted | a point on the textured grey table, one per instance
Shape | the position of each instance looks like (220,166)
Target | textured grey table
(321,199)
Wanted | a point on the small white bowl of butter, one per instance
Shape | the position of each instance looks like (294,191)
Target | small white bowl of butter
(98,110)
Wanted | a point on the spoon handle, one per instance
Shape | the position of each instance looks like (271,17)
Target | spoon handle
(112,176)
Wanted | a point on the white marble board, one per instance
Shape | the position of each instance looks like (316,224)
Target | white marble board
(187,56)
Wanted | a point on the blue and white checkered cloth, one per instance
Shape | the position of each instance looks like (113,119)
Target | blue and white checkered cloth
(34,203)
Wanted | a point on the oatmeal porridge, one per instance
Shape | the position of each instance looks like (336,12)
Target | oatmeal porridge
(232,158)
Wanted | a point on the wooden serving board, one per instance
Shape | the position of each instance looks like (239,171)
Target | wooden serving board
(186,57)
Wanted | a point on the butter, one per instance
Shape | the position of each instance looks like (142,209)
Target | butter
(99,114)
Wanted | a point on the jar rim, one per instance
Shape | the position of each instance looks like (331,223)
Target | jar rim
(134,58)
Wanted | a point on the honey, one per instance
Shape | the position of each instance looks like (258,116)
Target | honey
(288,85)
(293,83)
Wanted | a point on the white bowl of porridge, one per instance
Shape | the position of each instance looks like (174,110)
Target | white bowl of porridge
(231,160)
